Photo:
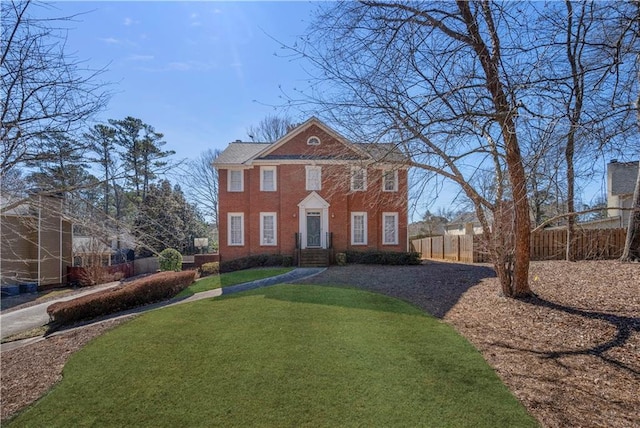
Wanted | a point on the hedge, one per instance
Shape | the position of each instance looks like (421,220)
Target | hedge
(153,288)
(260,260)
(383,258)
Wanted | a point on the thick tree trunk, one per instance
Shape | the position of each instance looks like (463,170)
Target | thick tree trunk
(518,284)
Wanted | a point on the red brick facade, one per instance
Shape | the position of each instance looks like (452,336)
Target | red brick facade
(291,210)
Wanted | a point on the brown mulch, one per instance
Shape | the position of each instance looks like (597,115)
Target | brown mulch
(571,355)
(30,371)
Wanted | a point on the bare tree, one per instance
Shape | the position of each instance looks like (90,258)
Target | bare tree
(270,129)
(201,180)
(43,90)
(440,80)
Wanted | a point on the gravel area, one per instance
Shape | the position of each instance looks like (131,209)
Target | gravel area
(571,355)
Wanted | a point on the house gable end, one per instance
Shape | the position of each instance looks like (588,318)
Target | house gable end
(312,140)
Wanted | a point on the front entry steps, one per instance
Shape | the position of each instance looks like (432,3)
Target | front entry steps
(314,257)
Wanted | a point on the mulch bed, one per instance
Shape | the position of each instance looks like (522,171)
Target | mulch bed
(571,355)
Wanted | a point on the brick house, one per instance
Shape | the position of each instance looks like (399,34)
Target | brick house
(310,195)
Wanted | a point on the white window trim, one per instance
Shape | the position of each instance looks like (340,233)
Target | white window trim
(275,178)
(384,236)
(275,229)
(395,180)
(310,168)
(229,234)
(366,224)
(354,171)
(229,173)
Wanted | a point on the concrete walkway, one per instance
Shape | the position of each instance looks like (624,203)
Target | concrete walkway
(19,320)
(36,316)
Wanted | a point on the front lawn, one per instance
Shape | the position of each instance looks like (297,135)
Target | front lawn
(280,356)
(231,278)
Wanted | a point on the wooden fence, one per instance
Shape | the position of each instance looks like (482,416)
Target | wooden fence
(545,245)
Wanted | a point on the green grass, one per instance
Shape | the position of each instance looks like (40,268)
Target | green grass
(231,278)
(282,356)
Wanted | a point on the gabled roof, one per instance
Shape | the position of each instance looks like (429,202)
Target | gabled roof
(239,153)
(244,153)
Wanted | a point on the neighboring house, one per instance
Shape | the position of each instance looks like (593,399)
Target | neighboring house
(464,224)
(35,243)
(427,228)
(90,251)
(621,181)
(312,191)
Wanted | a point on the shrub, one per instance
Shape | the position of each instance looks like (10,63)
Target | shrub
(150,289)
(341,259)
(170,260)
(383,257)
(259,260)
(211,268)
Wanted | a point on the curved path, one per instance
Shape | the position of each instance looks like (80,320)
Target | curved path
(35,316)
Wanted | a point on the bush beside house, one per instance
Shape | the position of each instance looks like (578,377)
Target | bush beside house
(150,289)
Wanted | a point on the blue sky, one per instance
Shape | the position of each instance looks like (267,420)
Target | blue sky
(199,72)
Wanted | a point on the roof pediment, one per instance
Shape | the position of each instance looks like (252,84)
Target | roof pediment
(314,201)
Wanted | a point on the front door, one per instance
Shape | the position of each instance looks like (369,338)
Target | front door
(313,229)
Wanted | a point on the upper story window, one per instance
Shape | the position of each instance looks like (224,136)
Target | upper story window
(314,177)
(313,141)
(268,179)
(390,180)
(358,178)
(235,180)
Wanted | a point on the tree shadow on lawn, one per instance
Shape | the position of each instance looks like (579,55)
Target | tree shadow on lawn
(329,295)
(434,287)
(625,327)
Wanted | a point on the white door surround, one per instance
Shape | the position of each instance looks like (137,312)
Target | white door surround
(313,204)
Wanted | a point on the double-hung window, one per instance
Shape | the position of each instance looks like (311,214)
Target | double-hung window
(268,179)
(268,229)
(390,228)
(314,177)
(358,228)
(358,179)
(390,180)
(236,229)
(235,180)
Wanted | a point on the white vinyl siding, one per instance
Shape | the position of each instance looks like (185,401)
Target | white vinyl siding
(235,180)
(358,179)
(268,229)
(390,180)
(268,179)
(314,178)
(358,228)
(236,229)
(390,228)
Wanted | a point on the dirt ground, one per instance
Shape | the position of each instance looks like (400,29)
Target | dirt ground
(571,355)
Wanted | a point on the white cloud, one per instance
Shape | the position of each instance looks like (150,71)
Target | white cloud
(182,66)
(140,57)
(111,40)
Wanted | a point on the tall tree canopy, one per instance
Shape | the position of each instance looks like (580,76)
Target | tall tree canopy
(43,91)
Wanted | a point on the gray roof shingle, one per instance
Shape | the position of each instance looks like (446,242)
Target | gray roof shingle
(239,152)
